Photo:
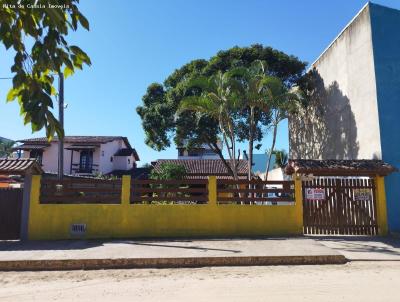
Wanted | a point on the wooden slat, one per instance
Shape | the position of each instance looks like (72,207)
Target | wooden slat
(80,199)
(169,182)
(170,198)
(245,199)
(80,181)
(169,190)
(246,182)
(247,190)
(53,191)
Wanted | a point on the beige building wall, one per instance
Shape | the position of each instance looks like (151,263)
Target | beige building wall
(342,121)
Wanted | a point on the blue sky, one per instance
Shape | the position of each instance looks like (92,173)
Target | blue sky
(135,43)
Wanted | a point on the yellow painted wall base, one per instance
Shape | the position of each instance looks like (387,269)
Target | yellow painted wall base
(53,221)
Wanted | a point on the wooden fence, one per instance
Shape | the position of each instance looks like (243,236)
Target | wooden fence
(255,192)
(347,206)
(80,190)
(76,191)
(169,191)
(10,213)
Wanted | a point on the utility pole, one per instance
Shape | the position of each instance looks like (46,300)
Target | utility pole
(61,121)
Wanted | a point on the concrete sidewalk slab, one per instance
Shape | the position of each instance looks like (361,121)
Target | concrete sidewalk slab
(359,248)
(58,255)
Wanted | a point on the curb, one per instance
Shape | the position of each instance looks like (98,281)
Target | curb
(129,263)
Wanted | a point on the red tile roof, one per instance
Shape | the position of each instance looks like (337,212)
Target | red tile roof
(78,139)
(339,167)
(201,168)
(20,166)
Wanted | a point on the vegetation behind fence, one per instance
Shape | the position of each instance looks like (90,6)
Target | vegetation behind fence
(255,192)
(169,191)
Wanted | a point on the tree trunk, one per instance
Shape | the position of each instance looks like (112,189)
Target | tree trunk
(272,150)
(217,150)
(251,142)
(250,150)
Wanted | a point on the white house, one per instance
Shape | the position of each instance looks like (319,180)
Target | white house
(83,155)
(201,152)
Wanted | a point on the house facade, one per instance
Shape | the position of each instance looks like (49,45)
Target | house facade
(355,111)
(83,155)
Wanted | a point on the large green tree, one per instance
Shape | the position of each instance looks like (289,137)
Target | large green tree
(161,102)
(36,33)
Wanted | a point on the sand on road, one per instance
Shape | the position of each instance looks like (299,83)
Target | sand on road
(355,281)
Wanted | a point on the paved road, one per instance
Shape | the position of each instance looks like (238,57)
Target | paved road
(355,281)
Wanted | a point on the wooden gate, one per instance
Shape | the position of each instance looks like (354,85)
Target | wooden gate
(345,206)
(10,213)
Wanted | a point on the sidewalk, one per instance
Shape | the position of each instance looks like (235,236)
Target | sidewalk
(363,248)
(93,254)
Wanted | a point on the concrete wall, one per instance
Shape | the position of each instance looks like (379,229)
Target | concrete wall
(342,122)
(386,46)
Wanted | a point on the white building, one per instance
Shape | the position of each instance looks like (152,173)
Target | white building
(202,152)
(83,155)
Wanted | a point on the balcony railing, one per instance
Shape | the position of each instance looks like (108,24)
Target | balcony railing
(92,169)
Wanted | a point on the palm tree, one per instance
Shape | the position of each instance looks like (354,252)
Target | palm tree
(6,148)
(281,158)
(284,102)
(219,100)
(256,99)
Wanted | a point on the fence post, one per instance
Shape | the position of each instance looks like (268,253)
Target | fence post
(212,190)
(34,201)
(298,193)
(126,190)
(381,205)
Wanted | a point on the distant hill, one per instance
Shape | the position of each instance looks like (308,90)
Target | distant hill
(3,139)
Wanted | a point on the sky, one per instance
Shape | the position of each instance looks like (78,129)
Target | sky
(135,43)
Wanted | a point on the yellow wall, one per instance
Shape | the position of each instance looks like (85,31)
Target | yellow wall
(52,221)
(381,205)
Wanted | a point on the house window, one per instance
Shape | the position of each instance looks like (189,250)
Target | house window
(129,161)
(111,159)
(102,153)
(38,154)
(86,161)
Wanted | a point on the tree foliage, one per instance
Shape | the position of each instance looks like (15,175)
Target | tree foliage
(36,67)
(221,101)
(169,171)
(284,102)
(6,148)
(281,158)
(161,102)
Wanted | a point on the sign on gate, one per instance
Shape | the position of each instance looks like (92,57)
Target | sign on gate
(362,194)
(315,194)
